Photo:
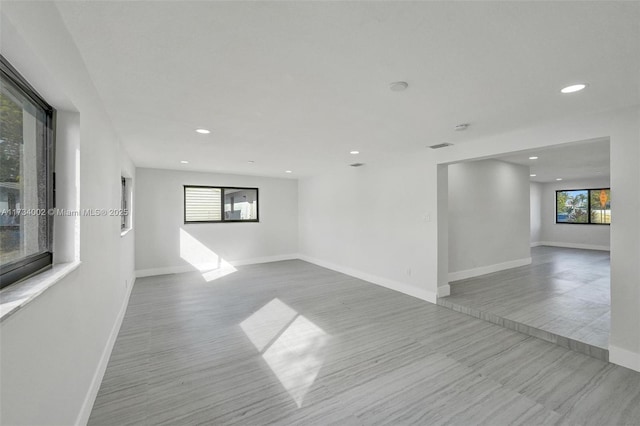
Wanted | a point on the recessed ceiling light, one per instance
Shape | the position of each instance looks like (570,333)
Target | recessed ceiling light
(354,152)
(533,175)
(573,88)
(203,131)
(184,161)
(288,171)
(250,161)
(398,86)
(461,127)
(558,178)
(533,158)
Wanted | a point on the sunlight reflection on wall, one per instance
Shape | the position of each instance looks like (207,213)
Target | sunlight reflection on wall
(203,258)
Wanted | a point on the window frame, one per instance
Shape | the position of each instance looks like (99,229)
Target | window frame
(222,193)
(589,222)
(123,204)
(33,264)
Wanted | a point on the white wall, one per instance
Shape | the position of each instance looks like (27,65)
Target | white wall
(568,235)
(488,217)
(442,231)
(53,350)
(535,201)
(381,249)
(160,218)
(374,222)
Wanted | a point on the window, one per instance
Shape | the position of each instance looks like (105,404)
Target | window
(220,204)
(584,206)
(600,206)
(26,178)
(125,208)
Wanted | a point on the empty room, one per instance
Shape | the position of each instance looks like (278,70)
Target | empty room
(284,212)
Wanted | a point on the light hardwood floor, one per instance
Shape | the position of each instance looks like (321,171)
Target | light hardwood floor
(563,296)
(292,343)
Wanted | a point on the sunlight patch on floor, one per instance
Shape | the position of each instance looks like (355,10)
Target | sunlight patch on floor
(292,346)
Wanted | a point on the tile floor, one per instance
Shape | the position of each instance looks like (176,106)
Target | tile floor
(564,292)
(293,343)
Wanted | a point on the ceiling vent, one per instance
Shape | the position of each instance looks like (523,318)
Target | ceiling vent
(356,164)
(440,145)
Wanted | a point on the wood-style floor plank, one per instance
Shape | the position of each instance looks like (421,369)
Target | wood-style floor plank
(292,343)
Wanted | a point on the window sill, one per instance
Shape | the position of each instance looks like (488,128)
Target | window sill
(17,296)
(125,232)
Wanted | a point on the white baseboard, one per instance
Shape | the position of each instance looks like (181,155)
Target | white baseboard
(574,245)
(267,259)
(535,244)
(444,290)
(87,405)
(482,270)
(189,268)
(407,289)
(164,271)
(624,358)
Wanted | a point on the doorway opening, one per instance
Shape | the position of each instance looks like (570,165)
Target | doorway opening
(527,242)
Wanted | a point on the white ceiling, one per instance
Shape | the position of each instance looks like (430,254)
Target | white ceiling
(297,85)
(568,162)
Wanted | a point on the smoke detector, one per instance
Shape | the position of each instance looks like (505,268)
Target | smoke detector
(399,86)
(461,127)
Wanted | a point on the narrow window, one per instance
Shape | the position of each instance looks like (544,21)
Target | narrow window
(600,208)
(126,203)
(123,204)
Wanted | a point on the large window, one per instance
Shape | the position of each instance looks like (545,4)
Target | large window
(26,178)
(220,204)
(584,206)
